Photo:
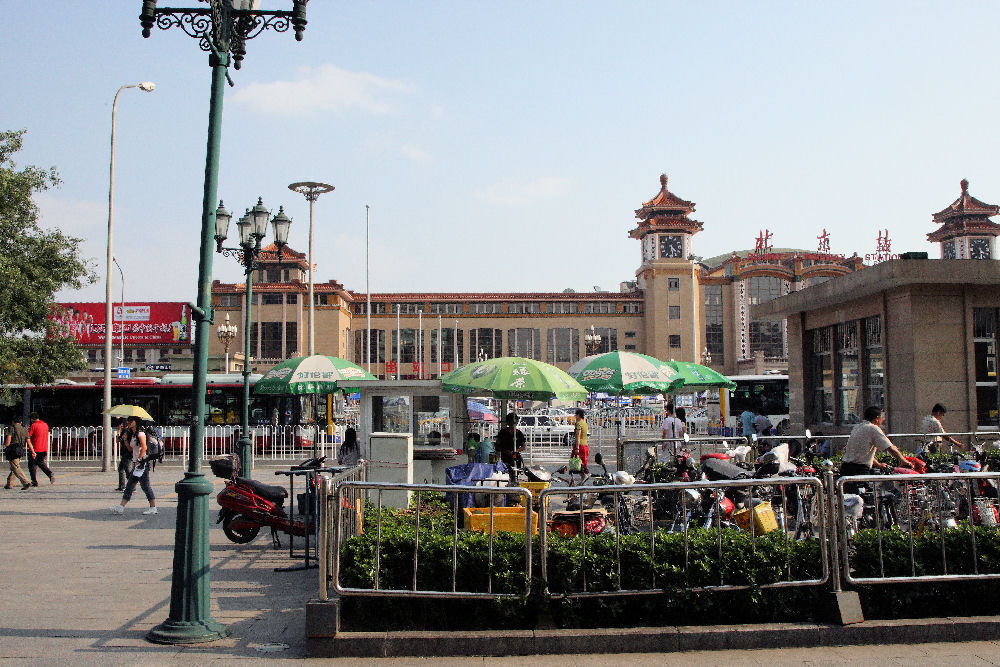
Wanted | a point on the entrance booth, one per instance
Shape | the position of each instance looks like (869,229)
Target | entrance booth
(410,430)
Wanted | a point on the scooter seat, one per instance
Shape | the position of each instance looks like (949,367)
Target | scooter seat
(271,492)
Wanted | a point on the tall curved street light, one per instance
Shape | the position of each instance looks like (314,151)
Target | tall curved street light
(312,191)
(121,337)
(222,29)
(145,86)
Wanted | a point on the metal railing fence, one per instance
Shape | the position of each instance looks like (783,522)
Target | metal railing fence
(914,509)
(332,524)
(685,496)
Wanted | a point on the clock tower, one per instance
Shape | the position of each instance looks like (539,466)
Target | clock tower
(966,231)
(668,276)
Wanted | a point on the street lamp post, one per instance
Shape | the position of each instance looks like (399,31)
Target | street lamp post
(226,332)
(252,228)
(146,86)
(121,336)
(312,191)
(223,29)
(592,341)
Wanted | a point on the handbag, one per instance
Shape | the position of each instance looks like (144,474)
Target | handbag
(575,464)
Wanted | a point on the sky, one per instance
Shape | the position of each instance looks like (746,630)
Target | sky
(504,146)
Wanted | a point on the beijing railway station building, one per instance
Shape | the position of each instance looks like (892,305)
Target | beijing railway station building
(678,306)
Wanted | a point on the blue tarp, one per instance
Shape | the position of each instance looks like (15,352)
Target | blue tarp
(470,474)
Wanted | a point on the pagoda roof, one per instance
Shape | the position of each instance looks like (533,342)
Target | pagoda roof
(665,211)
(965,215)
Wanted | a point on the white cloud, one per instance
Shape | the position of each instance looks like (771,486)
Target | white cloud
(325,88)
(508,193)
(415,153)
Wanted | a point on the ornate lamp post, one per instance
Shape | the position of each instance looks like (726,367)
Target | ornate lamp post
(222,29)
(592,341)
(312,191)
(706,357)
(227,334)
(253,228)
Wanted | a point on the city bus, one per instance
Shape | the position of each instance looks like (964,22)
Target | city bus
(768,392)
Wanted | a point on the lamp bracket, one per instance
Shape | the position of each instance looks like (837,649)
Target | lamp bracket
(200,315)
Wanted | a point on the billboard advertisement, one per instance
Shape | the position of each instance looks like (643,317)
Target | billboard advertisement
(164,323)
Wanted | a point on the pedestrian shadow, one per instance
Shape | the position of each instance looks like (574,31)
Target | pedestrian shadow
(165,518)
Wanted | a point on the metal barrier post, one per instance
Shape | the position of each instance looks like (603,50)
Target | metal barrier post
(324,535)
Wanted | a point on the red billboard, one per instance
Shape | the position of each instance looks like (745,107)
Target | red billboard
(158,323)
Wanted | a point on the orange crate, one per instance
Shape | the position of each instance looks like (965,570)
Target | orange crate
(764,520)
(536,489)
(509,519)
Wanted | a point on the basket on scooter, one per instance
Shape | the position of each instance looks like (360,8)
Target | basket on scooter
(225,467)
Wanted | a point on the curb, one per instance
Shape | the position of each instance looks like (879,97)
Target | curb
(498,643)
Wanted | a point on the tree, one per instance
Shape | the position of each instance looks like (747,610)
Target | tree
(35,263)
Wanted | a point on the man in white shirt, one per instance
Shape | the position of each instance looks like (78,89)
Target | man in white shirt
(932,425)
(671,429)
(867,438)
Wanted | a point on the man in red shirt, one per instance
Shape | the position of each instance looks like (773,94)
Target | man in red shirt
(38,447)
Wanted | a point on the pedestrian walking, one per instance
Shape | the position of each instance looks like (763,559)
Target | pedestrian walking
(140,474)
(38,447)
(13,451)
(126,464)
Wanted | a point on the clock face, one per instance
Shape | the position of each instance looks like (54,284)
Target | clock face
(948,250)
(671,246)
(979,248)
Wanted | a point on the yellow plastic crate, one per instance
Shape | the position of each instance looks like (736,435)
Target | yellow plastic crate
(536,489)
(509,519)
(764,520)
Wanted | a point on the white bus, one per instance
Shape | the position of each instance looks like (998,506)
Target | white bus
(767,392)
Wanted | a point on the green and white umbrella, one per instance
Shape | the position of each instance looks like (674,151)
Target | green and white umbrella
(695,377)
(318,374)
(514,378)
(625,373)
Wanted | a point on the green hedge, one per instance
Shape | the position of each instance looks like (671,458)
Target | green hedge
(745,562)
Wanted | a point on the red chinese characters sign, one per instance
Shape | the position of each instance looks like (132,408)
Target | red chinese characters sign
(157,323)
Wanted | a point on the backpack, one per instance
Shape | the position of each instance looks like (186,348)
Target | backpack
(154,446)
(15,450)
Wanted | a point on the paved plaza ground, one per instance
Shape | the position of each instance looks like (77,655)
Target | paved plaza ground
(83,586)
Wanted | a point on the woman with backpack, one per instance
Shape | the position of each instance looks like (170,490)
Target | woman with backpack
(140,475)
(13,451)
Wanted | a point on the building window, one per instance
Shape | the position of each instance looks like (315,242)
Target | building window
(488,308)
(674,312)
(319,299)
(714,335)
(874,361)
(822,375)
(447,345)
(405,344)
(485,343)
(404,308)
(443,308)
(674,340)
(984,344)
(377,343)
(270,299)
(630,347)
(524,342)
(563,345)
(673,284)
(524,307)
(630,334)
(229,300)
(849,369)
(562,307)
(292,299)
(270,340)
(599,307)
(766,336)
(632,307)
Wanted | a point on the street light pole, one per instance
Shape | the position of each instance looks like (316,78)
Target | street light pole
(223,29)
(226,332)
(146,86)
(312,190)
(121,336)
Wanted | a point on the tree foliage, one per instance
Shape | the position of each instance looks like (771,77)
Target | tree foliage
(35,263)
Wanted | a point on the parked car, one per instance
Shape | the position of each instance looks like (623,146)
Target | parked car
(542,428)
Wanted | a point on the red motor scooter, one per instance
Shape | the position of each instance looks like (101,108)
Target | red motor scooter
(247,505)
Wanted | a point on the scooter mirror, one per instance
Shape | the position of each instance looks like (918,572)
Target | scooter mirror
(598,459)
(809,434)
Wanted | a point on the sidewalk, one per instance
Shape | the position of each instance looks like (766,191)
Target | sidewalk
(84,586)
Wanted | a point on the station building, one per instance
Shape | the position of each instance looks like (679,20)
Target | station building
(677,306)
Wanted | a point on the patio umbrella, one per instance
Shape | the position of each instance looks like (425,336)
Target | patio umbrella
(129,411)
(480,411)
(695,377)
(625,373)
(514,378)
(318,374)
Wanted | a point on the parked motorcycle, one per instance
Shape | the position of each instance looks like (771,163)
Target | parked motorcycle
(247,505)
